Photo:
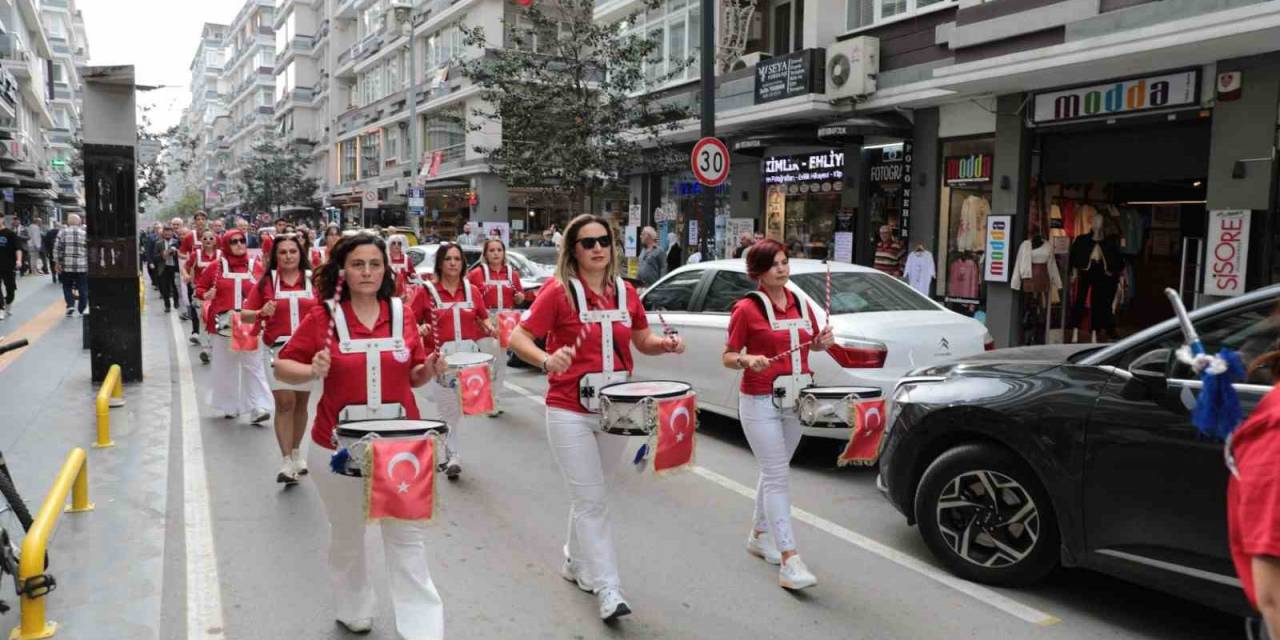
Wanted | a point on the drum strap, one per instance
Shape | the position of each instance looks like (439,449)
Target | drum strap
(293,297)
(456,307)
(791,326)
(498,283)
(201,263)
(605,317)
(239,280)
(372,348)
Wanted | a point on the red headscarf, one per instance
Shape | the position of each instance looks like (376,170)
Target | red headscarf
(236,262)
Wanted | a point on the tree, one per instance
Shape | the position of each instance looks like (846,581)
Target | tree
(276,175)
(185,207)
(573,99)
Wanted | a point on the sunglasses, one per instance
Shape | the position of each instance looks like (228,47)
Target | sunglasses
(236,241)
(590,243)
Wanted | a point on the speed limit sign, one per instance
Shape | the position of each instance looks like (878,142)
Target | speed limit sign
(710,162)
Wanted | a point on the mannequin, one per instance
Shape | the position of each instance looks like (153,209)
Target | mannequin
(1096,265)
(1035,272)
(920,270)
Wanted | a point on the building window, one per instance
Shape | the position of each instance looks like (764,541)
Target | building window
(347,159)
(370,154)
(446,132)
(673,26)
(391,140)
(864,13)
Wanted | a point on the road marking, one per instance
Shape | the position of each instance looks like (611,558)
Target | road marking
(971,589)
(32,330)
(204,595)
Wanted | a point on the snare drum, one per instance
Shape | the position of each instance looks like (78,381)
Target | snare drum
(831,406)
(222,324)
(353,437)
(630,408)
(456,362)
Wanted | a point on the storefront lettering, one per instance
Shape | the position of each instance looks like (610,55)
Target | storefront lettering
(820,167)
(968,169)
(1155,92)
(997,249)
(1228,246)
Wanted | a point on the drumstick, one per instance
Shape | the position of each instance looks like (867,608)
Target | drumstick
(666,329)
(586,326)
(828,291)
(789,351)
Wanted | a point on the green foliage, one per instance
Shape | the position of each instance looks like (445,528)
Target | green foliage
(275,176)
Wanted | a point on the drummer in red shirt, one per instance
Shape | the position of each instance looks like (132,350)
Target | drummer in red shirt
(1253,503)
(357,275)
(502,292)
(201,257)
(755,340)
(280,300)
(239,382)
(587,457)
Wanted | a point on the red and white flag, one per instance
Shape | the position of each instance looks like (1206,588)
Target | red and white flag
(401,478)
(868,431)
(677,421)
(507,321)
(477,392)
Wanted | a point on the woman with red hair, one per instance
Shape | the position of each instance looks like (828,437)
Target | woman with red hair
(768,333)
(239,383)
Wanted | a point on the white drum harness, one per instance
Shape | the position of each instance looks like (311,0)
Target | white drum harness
(590,384)
(499,284)
(786,388)
(456,345)
(373,348)
(293,297)
(238,278)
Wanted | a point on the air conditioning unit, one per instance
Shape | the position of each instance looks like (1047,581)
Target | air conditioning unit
(749,60)
(852,66)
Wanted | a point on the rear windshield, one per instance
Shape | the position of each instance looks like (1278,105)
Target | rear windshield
(862,293)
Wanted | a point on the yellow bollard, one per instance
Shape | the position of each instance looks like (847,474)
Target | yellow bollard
(111,394)
(73,479)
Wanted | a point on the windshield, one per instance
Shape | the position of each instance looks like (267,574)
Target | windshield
(860,292)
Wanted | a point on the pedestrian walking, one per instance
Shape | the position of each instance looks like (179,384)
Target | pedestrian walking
(147,248)
(744,242)
(587,286)
(652,262)
(166,257)
(502,290)
(72,256)
(35,245)
(199,260)
(239,382)
(357,279)
(180,231)
(675,253)
(10,254)
(24,243)
(51,238)
(282,297)
(768,329)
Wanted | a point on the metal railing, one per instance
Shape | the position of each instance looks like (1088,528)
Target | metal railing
(111,394)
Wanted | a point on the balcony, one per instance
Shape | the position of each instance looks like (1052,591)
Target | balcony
(15,56)
(346,10)
(299,96)
(299,44)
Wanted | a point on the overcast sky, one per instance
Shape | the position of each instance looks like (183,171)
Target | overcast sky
(158,37)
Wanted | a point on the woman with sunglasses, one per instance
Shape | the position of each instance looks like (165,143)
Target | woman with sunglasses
(587,280)
(332,234)
(502,292)
(239,382)
(199,260)
(281,299)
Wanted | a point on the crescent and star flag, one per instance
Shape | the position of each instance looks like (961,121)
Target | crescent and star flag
(868,431)
(477,393)
(401,478)
(676,424)
(507,321)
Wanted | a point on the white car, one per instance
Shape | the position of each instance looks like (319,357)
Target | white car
(532,274)
(883,326)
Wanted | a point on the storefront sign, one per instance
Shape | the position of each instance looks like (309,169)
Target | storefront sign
(1134,95)
(886,165)
(633,215)
(998,257)
(970,169)
(820,172)
(693,232)
(632,235)
(904,215)
(1228,253)
(795,74)
(843,241)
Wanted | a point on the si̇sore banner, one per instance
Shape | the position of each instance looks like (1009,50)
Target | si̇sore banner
(1227,256)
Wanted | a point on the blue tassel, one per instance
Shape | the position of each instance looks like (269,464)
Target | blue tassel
(339,461)
(641,453)
(1218,411)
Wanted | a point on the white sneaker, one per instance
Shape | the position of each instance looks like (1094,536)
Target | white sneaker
(794,575)
(761,546)
(194,339)
(4,315)
(569,571)
(362,625)
(453,466)
(260,417)
(612,604)
(288,474)
(299,462)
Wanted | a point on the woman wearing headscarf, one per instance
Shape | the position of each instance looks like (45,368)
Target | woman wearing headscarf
(239,383)
(675,254)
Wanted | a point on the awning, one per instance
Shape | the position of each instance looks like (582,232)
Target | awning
(7,180)
(890,124)
(36,183)
(22,168)
(68,198)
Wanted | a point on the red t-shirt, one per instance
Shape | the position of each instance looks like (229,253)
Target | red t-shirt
(423,303)
(265,242)
(403,270)
(345,384)
(1253,499)
(278,325)
(554,317)
(749,327)
(510,285)
(225,297)
(318,256)
(188,243)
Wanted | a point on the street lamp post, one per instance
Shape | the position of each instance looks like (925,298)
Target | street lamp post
(707,230)
(412,100)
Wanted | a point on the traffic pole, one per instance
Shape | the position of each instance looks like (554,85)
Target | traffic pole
(707,229)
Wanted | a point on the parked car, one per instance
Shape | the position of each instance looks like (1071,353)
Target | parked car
(883,328)
(532,275)
(1019,460)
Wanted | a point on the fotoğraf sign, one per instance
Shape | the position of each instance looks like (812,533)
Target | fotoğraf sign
(1228,254)
(1120,97)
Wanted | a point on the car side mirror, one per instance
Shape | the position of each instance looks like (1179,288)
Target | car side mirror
(1152,366)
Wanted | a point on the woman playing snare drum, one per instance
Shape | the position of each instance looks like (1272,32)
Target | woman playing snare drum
(502,292)
(586,269)
(239,383)
(765,351)
(199,259)
(357,275)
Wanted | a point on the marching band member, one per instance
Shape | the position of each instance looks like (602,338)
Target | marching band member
(401,266)
(773,353)
(188,244)
(357,276)
(239,382)
(461,320)
(587,287)
(199,260)
(332,234)
(282,297)
(502,291)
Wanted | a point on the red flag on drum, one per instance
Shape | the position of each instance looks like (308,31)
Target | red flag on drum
(401,479)
(244,335)
(507,321)
(868,431)
(477,393)
(677,420)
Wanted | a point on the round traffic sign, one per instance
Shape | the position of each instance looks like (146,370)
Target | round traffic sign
(710,160)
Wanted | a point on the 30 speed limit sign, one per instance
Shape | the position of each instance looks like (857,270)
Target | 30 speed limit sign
(710,162)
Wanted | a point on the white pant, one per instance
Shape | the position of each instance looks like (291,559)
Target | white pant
(239,381)
(773,434)
(588,460)
(418,608)
(449,407)
(498,367)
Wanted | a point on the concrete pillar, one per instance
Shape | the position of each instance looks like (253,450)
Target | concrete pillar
(925,181)
(491,195)
(1009,197)
(746,190)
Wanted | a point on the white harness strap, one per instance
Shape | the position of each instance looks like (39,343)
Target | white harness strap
(372,349)
(604,317)
(791,326)
(499,284)
(201,263)
(239,278)
(456,307)
(293,297)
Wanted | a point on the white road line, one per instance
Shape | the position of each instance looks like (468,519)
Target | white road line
(971,589)
(204,594)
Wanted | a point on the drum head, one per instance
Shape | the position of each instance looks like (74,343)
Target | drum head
(862,393)
(645,389)
(461,360)
(389,428)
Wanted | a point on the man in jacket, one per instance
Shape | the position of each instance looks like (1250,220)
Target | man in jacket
(72,255)
(50,237)
(10,256)
(651,259)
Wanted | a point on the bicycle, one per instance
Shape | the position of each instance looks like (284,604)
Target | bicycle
(13,507)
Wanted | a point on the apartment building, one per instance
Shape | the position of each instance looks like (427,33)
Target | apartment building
(69,47)
(302,79)
(247,84)
(26,117)
(208,102)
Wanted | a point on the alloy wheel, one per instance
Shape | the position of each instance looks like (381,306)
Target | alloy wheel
(988,518)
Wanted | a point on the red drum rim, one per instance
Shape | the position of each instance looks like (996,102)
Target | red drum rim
(615,393)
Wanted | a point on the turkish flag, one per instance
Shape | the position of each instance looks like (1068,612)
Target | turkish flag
(868,431)
(244,335)
(677,421)
(401,478)
(477,392)
(507,321)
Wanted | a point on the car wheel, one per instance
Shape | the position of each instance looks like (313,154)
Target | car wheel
(984,515)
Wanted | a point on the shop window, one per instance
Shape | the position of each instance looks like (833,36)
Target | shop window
(865,13)
(674,294)
(726,290)
(802,200)
(965,205)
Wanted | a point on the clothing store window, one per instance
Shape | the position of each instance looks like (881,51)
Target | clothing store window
(965,204)
(802,198)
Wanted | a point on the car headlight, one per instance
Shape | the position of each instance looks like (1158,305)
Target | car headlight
(902,396)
